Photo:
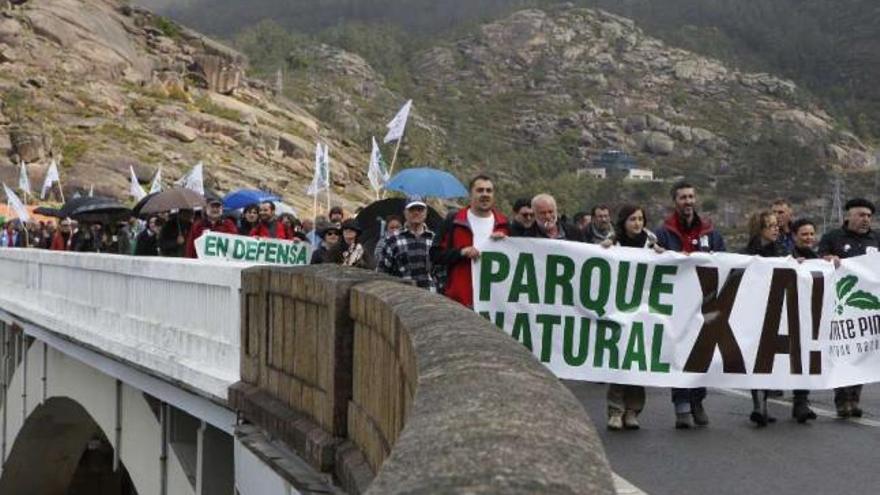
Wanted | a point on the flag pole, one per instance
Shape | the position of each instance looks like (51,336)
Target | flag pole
(60,189)
(327,158)
(393,160)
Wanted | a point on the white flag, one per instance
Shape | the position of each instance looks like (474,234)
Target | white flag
(378,172)
(156,186)
(20,211)
(24,182)
(51,178)
(398,123)
(321,180)
(92,191)
(136,191)
(194,180)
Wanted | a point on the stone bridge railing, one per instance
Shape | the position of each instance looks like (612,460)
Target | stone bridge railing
(395,390)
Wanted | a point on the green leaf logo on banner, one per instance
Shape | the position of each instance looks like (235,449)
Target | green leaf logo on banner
(845,285)
(863,300)
(858,299)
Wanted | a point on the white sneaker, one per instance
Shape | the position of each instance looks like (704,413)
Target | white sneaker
(630,421)
(615,421)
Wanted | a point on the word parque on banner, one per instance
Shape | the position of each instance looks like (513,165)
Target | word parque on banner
(633,316)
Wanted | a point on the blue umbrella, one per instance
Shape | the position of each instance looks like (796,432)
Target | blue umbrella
(245,197)
(428,182)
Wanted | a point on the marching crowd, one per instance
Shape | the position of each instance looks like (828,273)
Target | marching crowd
(440,261)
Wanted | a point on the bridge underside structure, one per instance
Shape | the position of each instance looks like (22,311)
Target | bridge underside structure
(55,410)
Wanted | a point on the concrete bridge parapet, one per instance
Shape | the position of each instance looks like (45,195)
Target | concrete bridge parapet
(391,389)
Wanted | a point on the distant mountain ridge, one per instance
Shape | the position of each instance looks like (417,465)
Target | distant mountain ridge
(536,94)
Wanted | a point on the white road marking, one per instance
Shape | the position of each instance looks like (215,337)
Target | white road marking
(624,487)
(819,411)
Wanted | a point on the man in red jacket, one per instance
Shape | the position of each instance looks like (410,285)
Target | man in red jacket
(211,221)
(474,224)
(270,226)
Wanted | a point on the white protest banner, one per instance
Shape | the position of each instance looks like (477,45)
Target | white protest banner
(632,316)
(219,246)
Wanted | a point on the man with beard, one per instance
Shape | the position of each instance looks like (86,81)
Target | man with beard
(471,226)
(212,221)
(547,223)
(599,228)
(685,231)
(270,226)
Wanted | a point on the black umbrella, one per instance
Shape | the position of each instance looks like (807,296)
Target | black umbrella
(370,219)
(93,209)
(49,212)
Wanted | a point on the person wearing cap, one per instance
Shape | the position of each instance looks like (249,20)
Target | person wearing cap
(213,221)
(330,237)
(853,238)
(269,226)
(336,215)
(408,254)
(471,226)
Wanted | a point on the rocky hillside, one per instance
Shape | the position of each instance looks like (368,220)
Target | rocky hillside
(100,86)
(541,93)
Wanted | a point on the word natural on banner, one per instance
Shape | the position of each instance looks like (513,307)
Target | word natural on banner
(219,246)
(633,316)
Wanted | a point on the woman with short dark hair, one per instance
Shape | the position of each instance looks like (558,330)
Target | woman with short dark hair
(625,402)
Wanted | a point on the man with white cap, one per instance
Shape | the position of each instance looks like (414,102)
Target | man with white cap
(408,254)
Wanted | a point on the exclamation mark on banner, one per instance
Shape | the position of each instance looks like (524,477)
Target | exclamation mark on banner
(816,306)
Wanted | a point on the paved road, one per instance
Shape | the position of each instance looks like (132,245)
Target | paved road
(731,456)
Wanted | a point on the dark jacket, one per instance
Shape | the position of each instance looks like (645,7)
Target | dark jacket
(456,237)
(570,232)
(671,235)
(147,244)
(322,255)
(771,250)
(592,236)
(245,227)
(805,253)
(845,243)
(518,230)
(168,237)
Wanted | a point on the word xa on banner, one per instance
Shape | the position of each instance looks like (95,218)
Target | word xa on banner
(636,317)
